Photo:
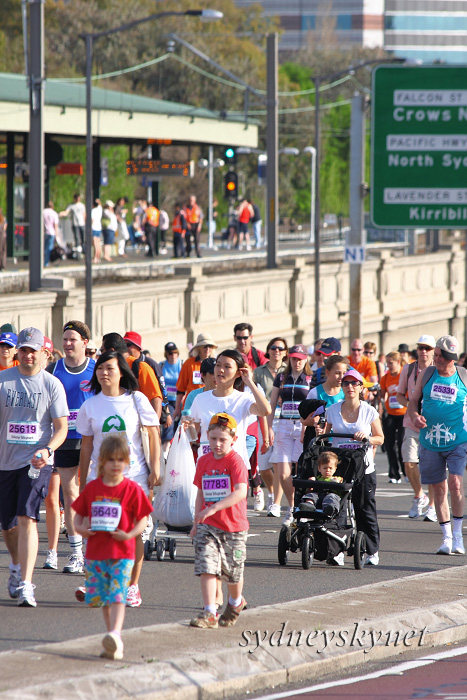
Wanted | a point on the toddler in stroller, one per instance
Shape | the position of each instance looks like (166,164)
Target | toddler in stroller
(324,526)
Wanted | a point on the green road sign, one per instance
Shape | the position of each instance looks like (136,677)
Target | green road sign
(419,147)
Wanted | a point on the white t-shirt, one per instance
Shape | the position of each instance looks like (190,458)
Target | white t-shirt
(236,404)
(366,415)
(78,213)
(96,218)
(100,416)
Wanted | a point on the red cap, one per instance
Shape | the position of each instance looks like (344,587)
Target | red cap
(134,339)
(48,345)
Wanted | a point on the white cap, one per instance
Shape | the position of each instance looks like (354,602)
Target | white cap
(427,340)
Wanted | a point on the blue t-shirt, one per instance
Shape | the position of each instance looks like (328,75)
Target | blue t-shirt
(171,373)
(445,412)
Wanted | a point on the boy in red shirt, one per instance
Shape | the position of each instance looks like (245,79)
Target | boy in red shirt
(221,526)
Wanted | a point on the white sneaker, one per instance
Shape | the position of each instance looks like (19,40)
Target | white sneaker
(133,597)
(338,560)
(418,506)
(372,559)
(51,560)
(446,547)
(270,501)
(26,595)
(430,515)
(113,646)
(458,545)
(145,535)
(75,565)
(14,582)
(259,500)
(288,520)
(274,511)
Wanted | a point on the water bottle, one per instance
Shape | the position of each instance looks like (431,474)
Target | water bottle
(34,472)
(191,431)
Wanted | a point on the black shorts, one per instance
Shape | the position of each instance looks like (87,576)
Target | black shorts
(20,495)
(66,459)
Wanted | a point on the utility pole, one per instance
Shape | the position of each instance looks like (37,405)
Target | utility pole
(36,144)
(272,143)
(355,236)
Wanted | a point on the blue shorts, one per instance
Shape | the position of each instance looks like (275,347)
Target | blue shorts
(109,236)
(96,234)
(433,465)
(107,581)
(20,495)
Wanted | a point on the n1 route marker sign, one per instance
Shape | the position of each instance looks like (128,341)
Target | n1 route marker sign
(419,147)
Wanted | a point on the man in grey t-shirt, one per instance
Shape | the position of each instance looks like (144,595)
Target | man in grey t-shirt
(33,423)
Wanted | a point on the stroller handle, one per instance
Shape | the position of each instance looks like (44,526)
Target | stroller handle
(327,436)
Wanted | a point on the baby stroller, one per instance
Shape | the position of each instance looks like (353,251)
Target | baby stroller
(317,534)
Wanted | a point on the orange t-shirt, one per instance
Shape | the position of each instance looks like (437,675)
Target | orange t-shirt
(366,367)
(389,384)
(190,376)
(147,380)
(15,364)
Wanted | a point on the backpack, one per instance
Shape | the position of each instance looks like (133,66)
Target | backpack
(160,378)
(255,356)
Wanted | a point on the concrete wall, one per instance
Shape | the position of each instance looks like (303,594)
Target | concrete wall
(402,297)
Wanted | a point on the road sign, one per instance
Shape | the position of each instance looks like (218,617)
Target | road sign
(69,169)
(354,254)
(419,147)
(162,168)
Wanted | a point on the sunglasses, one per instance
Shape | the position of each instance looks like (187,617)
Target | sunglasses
(242,337)
(351,382)
(91,352)
(368,352)
(175,352)
(356,349)
(277,347)
(424,347)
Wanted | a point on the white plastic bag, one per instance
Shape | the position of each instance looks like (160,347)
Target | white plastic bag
(174,503)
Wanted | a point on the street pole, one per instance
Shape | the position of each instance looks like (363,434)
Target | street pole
(355,238)
(36,145)
(88,227)
(317,82)
(312,151)
(272,143)
(210,196)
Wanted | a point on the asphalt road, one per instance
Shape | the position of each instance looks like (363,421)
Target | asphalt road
(171,592)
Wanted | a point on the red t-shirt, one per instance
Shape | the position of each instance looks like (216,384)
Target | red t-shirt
(135,506)
(250,360)
(231,519)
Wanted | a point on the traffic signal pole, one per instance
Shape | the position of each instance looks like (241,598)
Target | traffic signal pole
(272,143)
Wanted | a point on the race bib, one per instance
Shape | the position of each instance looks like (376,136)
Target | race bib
(105,516)
(290,409)
(349,445)
(394,403)
(171,392)
(197,378)
(441,392)
(72,418)
(215,488)
(22,433)
(204,448)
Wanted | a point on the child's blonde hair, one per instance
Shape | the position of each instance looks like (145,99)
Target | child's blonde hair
(113,446)
(328,457)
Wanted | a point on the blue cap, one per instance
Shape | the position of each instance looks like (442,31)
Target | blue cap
(10,339)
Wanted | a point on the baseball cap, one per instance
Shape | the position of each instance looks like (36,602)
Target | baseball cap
(207,366)
(298,351)
(9,339)
(48,345)
(403,347)
(427,340)
(30,338)
(134,338)
(8,328)
(354,374)
(91,345)
(329,346)
(224,419)
(449,347)
(170,347)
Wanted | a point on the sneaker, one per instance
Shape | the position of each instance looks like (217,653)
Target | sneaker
(270,501)
(51,560)
(80,594)
(430,515)
(145,535)
(288,520)
(230,615)
(14,582)
(458,545)
(274,511)
(113,646)
(259,500)
(418,506)
(338,560)
(133,597)
(26,595)
(205,620)
(372,559)
(446,547)
(75,564)
(395,481)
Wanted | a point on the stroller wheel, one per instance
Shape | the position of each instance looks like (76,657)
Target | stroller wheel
(148,550)
(173,549)
(160,550)
(283,545)
(359,550)
(308,551)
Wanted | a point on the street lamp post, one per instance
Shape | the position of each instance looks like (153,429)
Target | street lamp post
(312,151)
(89,38)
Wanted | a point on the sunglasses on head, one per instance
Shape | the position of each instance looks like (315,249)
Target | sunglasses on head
(276,347)
(222,420)
(351,382)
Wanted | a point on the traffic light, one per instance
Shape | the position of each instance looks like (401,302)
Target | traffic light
(230,155)
(230,185)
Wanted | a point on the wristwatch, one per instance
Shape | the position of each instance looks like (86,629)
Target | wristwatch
(49,450)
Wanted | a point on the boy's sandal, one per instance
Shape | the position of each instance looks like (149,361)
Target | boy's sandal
(230,615)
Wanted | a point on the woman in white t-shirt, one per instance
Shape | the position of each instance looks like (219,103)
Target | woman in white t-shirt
(96,225)
(117,407)
(356,417)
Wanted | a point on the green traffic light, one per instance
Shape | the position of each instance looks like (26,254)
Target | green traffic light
(229,152)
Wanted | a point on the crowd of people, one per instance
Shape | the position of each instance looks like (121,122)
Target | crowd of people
(87,429)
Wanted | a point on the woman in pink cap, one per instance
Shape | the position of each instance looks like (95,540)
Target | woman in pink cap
(357,418)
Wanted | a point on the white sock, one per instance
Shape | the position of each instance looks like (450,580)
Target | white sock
(211,609)
(235,602)
(76,544)
(446,529)
(457,526)
(16,568)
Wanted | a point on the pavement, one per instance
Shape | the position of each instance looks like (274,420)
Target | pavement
(271,645)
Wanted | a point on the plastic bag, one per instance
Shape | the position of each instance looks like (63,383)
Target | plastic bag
(174,503)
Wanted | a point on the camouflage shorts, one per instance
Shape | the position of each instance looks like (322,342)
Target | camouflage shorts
(220,553)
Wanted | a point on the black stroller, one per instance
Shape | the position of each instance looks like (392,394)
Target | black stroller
(313,532)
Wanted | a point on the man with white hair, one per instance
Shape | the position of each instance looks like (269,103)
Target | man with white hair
(443,437)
